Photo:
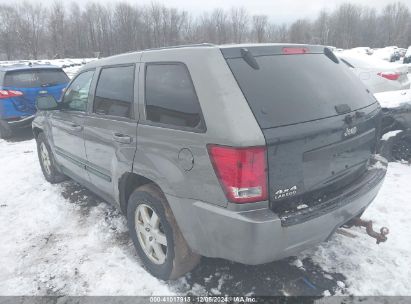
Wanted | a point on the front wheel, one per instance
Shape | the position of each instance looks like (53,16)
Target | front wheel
(156,236)
(47,161)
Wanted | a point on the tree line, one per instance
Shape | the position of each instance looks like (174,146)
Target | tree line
(60,30)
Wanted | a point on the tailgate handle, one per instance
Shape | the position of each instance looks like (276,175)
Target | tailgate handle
(342,108)
(121,138)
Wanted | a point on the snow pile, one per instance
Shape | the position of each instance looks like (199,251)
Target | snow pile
(394,99)
(54,247)
(373,269)
(390,134)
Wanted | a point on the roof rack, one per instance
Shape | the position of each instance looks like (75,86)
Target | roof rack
(178,46)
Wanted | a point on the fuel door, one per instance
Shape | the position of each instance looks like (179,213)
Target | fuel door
(186,159)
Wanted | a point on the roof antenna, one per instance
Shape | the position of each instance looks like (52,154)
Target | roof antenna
(249,58)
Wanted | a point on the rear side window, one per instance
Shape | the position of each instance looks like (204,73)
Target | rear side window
(115,91)
(170,96)
(35,78)
(289,89)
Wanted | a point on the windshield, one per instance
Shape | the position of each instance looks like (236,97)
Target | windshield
(289,89)
(35,78)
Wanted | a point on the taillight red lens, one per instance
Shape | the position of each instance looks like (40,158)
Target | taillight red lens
(242,172)
(293,51)
(9,94)
(390,76)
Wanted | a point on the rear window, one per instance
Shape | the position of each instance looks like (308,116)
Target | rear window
(289,89)
(115,91)
(35,78)
(170,96)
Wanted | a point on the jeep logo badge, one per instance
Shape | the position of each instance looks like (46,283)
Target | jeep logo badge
(350,131)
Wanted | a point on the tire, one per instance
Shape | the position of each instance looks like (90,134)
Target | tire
(5,131)
(176,258)
(49,167)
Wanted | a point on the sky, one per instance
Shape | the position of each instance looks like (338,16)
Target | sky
(279,11)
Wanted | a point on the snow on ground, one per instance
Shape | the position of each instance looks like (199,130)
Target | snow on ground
(49,247)
(55,245)
(372,269)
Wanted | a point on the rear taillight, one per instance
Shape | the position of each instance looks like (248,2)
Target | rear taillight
(293,51)
(242,172)
(390,75)
(9,94)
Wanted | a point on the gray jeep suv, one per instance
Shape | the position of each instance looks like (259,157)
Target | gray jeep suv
(250,153)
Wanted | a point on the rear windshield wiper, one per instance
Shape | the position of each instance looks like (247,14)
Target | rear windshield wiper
(249,58)
(49,84)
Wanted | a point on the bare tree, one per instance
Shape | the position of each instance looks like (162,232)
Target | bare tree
(56,25)
(259,28)
(300,32)
(394,17)
(8,20)
(30,27)
(67,29)
(239,24)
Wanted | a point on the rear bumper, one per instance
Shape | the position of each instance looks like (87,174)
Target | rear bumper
(23,122)
(258,236)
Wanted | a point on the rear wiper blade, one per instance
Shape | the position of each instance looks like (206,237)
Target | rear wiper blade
(49,84)
(249,58)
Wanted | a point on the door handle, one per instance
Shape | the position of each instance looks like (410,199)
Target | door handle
(75,128)
(121,138)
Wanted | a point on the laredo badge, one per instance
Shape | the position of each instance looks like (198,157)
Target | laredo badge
(283,193)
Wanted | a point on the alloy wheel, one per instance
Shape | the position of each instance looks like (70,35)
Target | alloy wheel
(150,234)
(45,158)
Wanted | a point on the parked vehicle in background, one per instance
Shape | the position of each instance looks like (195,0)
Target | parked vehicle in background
(407,57)
(396,125)
(19,87)
(377,75)
(389,53)
(240,156)
(402,52)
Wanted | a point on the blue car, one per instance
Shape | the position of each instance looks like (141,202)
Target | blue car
(19,87)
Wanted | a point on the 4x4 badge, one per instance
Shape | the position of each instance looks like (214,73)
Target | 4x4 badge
(282,193)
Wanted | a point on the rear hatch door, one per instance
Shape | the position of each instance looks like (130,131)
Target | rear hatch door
(319,121)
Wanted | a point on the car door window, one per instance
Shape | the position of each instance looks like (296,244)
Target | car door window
(170,96)
(76,95)
(115,91)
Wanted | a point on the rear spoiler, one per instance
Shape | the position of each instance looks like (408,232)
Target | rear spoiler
(267,50)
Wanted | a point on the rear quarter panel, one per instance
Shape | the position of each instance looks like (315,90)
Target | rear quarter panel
(228,119)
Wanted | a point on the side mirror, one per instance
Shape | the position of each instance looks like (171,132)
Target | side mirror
(46,103)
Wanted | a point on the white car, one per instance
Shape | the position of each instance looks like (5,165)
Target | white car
(376,74)
(407,59)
